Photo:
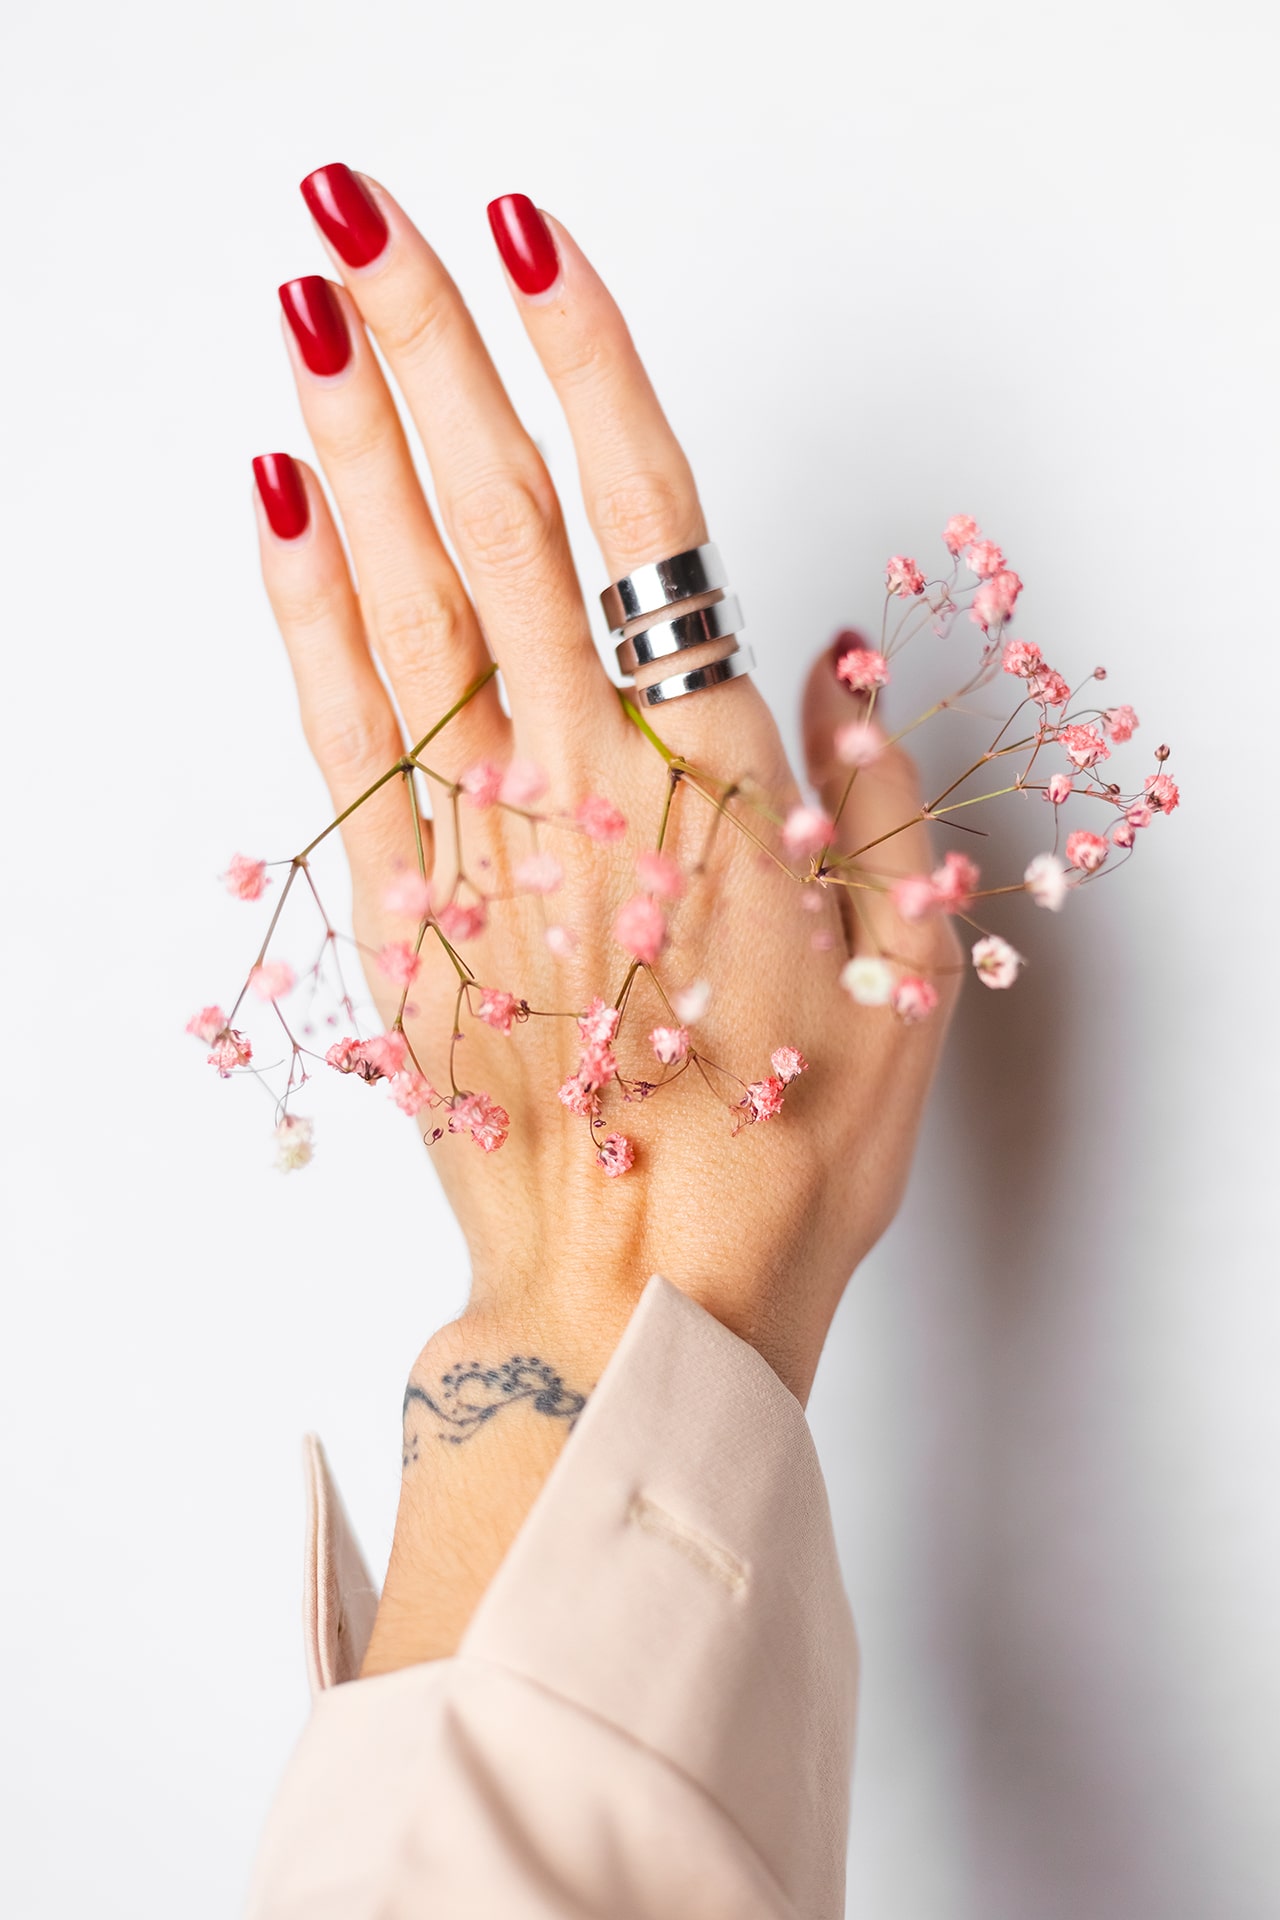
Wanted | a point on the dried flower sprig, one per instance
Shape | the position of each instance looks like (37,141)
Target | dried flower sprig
(1048,714)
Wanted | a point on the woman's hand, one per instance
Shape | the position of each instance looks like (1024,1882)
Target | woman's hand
(764,1225)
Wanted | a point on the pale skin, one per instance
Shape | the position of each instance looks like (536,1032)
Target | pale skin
(763,1229)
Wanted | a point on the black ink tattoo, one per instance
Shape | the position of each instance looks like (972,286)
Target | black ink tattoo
(470,1395)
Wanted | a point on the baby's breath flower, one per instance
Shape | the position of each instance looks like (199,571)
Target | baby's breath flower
(245,879)
(616,1155)
(1086,850)
(995,961)
(1046,881)
(294,1143)
(868,980)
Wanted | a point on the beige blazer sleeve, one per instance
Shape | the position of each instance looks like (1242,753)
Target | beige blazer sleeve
(651,1712)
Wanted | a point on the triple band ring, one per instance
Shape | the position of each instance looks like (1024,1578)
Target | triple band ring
(664,584)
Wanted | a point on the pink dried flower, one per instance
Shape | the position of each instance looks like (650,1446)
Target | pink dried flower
(954,881)
(788,1063)
(597,1066)
(600,819)
(806,829)
(764,1098)
(858,743)
(399,963)
(294,1137)
(995,599)
(1121,723)
(207,1024)
(230,1050)
(985,559)
(539,873)
(640,928)
(384,1054)
(497,1009)
(1086,850)
(1162,794)
(1049,688)
(579,1098)
(959,531)
(346,1056)
(1022,657)
(459,920)
(1139,814)
(482,783)
(245,879)
(913,998)
(272,980)
(913,896)
(1084,746)
(410,895)
(598,1024)
(862,669)
(868,980)
(561,941)
(671,1044)
(659,874)
(995,961)
(411,1092)
(616,1155)
(1059,788)
(903,577)
(1046,881)
(523,784)
(1123,835)
(481,1117)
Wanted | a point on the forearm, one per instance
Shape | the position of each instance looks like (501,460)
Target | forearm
(489,1405)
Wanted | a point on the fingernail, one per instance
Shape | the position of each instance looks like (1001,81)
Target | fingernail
(319,326)
(283,496)
(527,249)
(345,213)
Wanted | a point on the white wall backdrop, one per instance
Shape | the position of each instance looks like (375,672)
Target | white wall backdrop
(887,263)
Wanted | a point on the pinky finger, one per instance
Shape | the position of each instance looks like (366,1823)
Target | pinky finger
(347,716)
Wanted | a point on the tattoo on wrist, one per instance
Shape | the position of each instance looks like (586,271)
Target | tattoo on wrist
(469,1396)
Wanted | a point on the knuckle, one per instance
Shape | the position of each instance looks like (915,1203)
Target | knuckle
(415,325)
(349,742)
(584,359)
(417,627)
(640,515)
(505,522)
(308,606)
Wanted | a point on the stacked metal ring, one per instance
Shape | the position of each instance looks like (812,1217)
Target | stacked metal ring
(669,583)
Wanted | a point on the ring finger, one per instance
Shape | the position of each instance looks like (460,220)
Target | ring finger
(636,482)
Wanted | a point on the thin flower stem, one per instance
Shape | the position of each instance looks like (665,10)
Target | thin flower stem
(402,763)
(637,719)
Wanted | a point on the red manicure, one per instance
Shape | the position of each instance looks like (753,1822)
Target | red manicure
(345,214)
(282,494)
(527,249)
(312,310)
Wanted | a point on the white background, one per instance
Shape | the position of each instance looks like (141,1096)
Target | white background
(886,263)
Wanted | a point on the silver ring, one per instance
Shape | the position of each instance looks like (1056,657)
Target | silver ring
(709,676)
(720,621)
(664,583)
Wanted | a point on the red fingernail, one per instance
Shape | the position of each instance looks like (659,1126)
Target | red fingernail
(345,213)
(319,326)
(527,249)
(282,493)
